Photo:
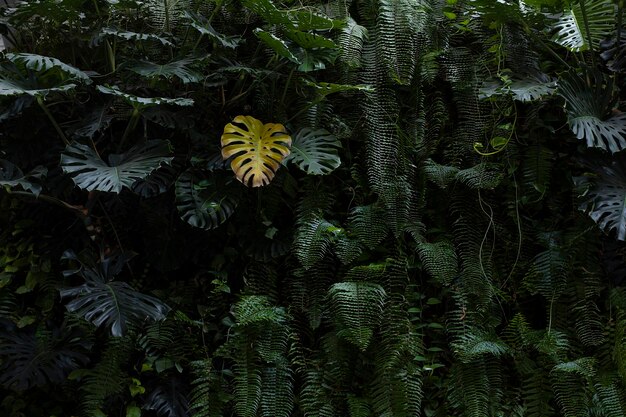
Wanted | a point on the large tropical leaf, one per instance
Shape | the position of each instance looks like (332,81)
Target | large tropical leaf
(278,45)
(90,172)
(30,86)
(131,36)
(143,102)
(202,25)
(42,63)
(571,28)
(179,69)
(11,176)
(204,202)
(588,110)
(605,200)
(257,148)
(32,359)
(168,399)
(105,302)
(315,151)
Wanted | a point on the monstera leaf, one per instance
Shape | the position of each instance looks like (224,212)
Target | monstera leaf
(105,302)
(204,202)
(588,110)
(90,172)
(574,33)
(179,69)
(606,198)
(257,148)
(42,63)
(315,151)
(33,359)
(11,176)
(143,102)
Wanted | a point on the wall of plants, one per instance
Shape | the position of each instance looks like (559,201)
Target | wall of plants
(320,208)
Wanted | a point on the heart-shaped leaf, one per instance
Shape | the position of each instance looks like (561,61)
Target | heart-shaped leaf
(315,151)
(258,149)
(90,172)
(204,202)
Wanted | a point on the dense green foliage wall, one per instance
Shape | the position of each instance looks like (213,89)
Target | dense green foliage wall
(445,237)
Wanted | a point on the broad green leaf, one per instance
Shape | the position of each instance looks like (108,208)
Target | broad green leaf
(605,201)
(571,29)
(134,36)
(44,63)
(310,40)
(315,151)
(179,69)
(204,201)
(268,11)
(11,177)
(143,102)
(531,89)
(589,111)
(10,87)
(324,89)
(257,148)
(112,304)
(278,45)
(90,172)
(202,25)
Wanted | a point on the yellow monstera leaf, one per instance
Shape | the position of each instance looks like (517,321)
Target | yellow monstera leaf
(258,149)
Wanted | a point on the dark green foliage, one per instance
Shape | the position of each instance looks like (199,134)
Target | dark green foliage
(438,242)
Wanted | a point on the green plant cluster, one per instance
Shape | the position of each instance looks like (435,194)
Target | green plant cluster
(444,236)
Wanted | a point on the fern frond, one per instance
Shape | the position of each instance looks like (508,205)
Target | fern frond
(357,307)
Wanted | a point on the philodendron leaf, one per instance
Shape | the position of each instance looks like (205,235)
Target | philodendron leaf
(278,45)
(11,177)
(132,36)
(202,25)
(589,111)
(179,69)
(606,198)
(90,172)
(573,31)
(143,102)
(257,148)
(105,302)
(315,151)
(42,63)
(12,87)
(202,201)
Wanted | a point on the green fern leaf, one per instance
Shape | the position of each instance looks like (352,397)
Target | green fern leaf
(357,307)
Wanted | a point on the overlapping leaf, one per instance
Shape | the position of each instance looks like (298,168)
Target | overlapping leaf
(105,302)
(11,176)
(315,151)
(605,201)
(204,202)
(257,149)
(588,110)
(90,172)
(574,33)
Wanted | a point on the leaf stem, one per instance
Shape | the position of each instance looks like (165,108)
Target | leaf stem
(132,123)
(52,120)
(282,98)
(53,200)
(583,8)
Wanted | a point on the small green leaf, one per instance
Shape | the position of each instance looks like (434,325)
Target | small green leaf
(450,15)
(133,411)
(25,321)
